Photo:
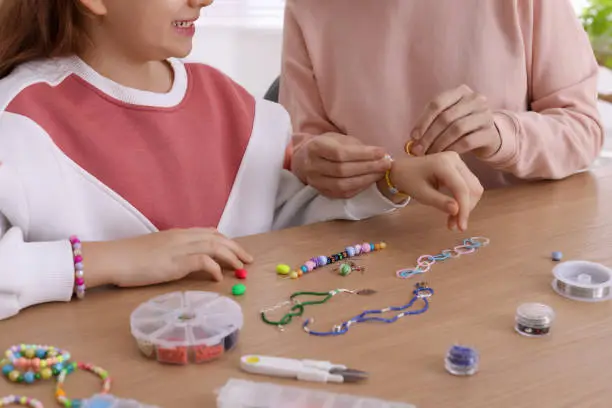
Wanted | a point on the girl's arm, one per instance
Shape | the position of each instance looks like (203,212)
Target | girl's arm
(562,134)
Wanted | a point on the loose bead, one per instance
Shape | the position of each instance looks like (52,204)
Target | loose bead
(238,290)
(283,269)
(557,256)
(345,269)
(240,273)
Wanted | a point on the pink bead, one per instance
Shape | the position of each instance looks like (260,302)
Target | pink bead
(74,239)
(78,259)
(365,248)
(23,363)
(80,281)
(310,265)
(357,249)
(36,363)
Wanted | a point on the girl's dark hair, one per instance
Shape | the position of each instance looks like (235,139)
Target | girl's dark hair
(37,29)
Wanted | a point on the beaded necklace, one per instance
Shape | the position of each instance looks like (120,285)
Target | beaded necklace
(425,262)
(298,307)
(349,252)
(421,292)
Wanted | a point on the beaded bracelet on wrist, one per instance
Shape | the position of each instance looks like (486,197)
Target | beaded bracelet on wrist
(26,363)
(349,252)
(19,400)
(79,280)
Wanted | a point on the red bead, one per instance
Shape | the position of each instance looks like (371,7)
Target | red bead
(241,273)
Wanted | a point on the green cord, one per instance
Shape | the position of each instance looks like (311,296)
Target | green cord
(298,308)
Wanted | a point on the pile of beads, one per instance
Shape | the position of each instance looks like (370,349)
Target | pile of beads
(322,260)
(422,291)
(18,400)
(425,262)
(60,394)
(27,363)
(461,360)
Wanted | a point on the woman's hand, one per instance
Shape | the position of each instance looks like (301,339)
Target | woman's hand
(422,178)
(339,166)
(459,120)
(161,257)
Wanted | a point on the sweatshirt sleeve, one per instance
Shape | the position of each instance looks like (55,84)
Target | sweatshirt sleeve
(562,133)
(298,204)
(299,92)
(30,272)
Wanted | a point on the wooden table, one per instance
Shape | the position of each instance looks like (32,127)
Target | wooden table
(476,297)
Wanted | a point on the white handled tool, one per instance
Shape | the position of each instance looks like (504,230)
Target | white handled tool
(303,370)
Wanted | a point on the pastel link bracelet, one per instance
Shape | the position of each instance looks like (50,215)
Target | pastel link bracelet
(60,394)
(79,281)
(23,401)
(349,252)
(26,363)
(425,262)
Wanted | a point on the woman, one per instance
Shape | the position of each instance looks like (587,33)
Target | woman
(510,84)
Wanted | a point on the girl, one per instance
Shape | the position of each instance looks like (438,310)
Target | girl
(511,84)
(107,138)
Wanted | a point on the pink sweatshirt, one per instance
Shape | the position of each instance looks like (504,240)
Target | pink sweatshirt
(368,68)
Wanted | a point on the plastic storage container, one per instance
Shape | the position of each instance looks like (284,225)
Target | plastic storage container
(109,401)
(184,327)
(247,394)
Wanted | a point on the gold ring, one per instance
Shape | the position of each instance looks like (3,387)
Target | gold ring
(408,146)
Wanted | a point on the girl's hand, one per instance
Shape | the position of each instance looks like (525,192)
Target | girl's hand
(339,166)
(458,120)
(422,178)
(161,257)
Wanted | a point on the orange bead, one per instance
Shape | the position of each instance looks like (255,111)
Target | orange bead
(300,273)
(59,393)
(376,247)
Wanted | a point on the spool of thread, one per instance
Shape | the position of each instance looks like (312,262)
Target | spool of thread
(583,281)
(461,360)
(533,319)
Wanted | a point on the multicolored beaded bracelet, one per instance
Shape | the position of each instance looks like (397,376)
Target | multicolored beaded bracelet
(60,394)
(18,400)
(26,363)
(349,252)
(79,281)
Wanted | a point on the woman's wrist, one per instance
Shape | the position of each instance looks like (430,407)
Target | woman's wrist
(386,185)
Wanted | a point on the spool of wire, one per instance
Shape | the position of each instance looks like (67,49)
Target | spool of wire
(534,319)
(461,360)
(583,281)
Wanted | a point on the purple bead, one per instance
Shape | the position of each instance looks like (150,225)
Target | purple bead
(357,249)
(321,261)
(78,266)
(350,251)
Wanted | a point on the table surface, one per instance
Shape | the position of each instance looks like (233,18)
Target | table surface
(474,304)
